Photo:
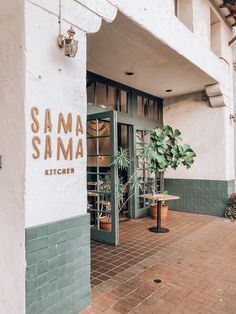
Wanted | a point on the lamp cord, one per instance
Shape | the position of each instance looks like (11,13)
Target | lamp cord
(59,19)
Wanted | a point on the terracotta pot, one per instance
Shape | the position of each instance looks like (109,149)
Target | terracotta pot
(105,224)
(164,211)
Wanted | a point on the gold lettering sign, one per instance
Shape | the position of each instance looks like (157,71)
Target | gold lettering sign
(48,147)
(60,147)
(35,124)
(79,150)
(79,127)
(58,172)
(35,140)
(48,121)
(66,152)
(67,126)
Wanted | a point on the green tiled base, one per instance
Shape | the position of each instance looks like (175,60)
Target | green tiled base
(200,196)
(58,267)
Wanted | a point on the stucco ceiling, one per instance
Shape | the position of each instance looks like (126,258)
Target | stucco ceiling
(123,46)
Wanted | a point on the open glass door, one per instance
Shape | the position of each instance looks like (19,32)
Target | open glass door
(102,177)
(143,138)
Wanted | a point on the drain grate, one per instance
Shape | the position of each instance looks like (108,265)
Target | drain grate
(157,280)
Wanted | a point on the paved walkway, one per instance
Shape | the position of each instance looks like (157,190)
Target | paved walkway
(195,261)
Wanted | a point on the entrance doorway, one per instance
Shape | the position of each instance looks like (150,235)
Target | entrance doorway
(118,117)
(102,176)
(125,142)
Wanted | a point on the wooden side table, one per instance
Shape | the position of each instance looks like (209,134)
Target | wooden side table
(159,198)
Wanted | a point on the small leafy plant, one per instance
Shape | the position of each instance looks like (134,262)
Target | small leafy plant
(122,161)
(230,211)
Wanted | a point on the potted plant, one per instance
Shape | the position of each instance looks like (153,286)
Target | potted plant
(164,209)
(165,151)
(105,203)
(122,162)
(230,211)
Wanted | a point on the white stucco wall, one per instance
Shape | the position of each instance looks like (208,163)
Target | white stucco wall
(53,82)
(234,92)
(226,36)
(210,133)
(185,13)
(201,20)
(216,38)
(58,83)
(12,149)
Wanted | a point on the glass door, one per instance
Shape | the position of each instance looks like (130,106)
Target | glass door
(102,177)
(142,138)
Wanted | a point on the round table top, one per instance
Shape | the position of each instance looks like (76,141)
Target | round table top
(160,197)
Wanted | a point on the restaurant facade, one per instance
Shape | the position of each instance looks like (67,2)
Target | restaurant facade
(80,79)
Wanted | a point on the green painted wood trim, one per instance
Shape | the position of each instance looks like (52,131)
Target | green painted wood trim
(137,123)
(99,78)
(132,106)
(124,118)
(98,234)
(58,266)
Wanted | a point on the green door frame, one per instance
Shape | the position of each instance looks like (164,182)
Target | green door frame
(136,123)
(98,234)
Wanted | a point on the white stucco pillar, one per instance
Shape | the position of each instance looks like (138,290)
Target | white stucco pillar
(55,88)
(57,226)
(12,154)
(43,199)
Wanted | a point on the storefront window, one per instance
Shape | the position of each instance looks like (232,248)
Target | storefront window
(91,92)
(107,96)
(111,95)
(148,108)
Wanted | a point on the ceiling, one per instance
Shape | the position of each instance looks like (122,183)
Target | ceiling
(123,46)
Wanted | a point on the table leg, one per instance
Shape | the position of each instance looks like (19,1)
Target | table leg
(158,216)
(158,228)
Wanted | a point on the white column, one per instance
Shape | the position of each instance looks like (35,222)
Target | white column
(12,151)
(56,91)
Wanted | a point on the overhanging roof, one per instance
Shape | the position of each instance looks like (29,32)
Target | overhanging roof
(123,46)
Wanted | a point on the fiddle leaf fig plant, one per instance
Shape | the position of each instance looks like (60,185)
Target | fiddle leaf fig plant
(165,151)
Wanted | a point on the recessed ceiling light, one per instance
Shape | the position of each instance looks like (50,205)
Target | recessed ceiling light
(168,90)
(129,73)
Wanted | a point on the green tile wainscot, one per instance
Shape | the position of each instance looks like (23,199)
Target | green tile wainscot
(200,196)
(58,267)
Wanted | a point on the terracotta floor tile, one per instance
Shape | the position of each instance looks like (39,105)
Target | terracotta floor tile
(132,299)
(121,308)
(124,288)
(95,282)
(103,277)
(145,290)
(195,262)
